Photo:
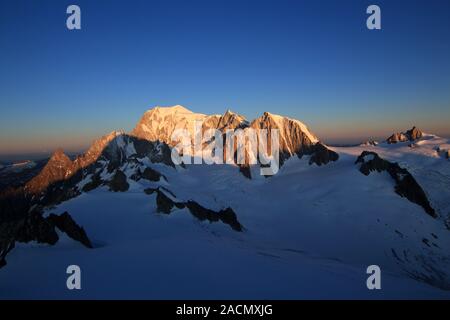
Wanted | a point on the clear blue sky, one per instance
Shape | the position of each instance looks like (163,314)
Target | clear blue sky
(312,60)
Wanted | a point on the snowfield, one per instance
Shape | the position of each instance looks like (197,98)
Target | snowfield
(17,167)
(310,233)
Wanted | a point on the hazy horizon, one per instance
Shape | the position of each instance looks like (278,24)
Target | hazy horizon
(316,62)
(326,135)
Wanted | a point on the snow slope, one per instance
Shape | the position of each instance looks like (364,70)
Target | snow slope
(17,167)
(310,232)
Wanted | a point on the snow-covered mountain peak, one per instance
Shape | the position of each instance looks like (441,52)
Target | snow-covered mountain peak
(231,120)
(169,110)
(284,124)
(160,122)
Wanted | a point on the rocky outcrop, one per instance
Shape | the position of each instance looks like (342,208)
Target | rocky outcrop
(414,134)
(166,202)
(42,230)
(443,152)
(406,186)
(227,215)
(397,137)
(95,182)
(65,223)
(322,155)
(37,228)
(369,143)
(33,226)
(119,182)
(410,135)
(151,174)
(5,248)
(245,170)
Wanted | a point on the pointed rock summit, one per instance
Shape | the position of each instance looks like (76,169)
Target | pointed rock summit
(414,134)
(231,120)
(58,168)
(410,135)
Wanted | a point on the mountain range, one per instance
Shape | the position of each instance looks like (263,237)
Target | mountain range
(329,210)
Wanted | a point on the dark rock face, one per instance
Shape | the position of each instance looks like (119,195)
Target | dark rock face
(409,135)
(322,155)
(165,205)
(151,174)
(406,186)
(414,134)
(397,137)
(14,205)
(156,151)
(66,224)
(119,182)
(95,182)
(40,229)
(37,228)
(245,170)
(34,227)
(5,248)
(444,153)
(373,164)
(60,191)
(227,215)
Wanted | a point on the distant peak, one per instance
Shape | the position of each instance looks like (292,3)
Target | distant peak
(230,114)
(58,154)
(410,135)
(59,157)
(171,109)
